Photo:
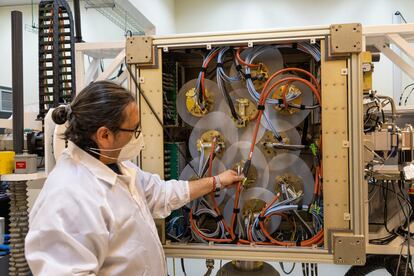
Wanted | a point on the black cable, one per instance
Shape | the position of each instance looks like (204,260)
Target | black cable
(226,94)
(210,73)
(128,33)
(400,14)
(371,189)
(141,93)
(407,216)
(376,262)
(183,267)
(385,211)
(402,93)
(304,270)
(384,240)
(407,221)
(305,130)
(409,94)
(230,103)
(399,231)
(101,65)
(120,70)
(282,266)
(400,196)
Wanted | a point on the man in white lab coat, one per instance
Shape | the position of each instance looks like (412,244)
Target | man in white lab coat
(95,212)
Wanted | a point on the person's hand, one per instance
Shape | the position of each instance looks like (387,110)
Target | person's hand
(229,178)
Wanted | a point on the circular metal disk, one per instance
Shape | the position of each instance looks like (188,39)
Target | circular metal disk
(231,269)
(250,202)
(298,175)
(247,109)
(290,137)
(235,157)
(272,61)
(186,107)
(216,121)
(282,120)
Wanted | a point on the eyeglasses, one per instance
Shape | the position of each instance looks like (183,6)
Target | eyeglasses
(137,131)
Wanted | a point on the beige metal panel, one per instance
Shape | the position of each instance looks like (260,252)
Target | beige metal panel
(405,30)
(209,40)
(100,49)
(213,38)
(392,249)
(334,143)
(272,35)
(248,253)
(152,157)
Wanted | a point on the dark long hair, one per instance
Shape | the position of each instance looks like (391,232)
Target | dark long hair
(101,103)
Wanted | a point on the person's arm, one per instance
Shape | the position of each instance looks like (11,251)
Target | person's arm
(205,185)
(164,196)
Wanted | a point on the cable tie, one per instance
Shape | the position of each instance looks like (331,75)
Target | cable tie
(218,218)
(236,240)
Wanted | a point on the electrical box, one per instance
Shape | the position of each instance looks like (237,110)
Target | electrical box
(285,107)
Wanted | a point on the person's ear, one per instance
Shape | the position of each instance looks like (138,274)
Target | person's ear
(104,138)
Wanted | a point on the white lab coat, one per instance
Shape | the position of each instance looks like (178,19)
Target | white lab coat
(88,220)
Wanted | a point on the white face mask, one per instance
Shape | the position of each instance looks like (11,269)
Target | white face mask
(128,152)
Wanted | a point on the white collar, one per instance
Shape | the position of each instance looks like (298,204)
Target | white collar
(95,166)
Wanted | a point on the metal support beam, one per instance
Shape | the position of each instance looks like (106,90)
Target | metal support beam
(396,59)
(356,172)
(93,71)
(78,27)
(119,59)
(402,44)
(17,80)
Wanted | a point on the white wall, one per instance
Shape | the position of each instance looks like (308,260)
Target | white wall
(221,15)
(160,12)
(227,15)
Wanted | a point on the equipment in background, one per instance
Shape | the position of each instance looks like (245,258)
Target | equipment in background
(244,268)
(56,55)
(174,163)
(25,163)
(6,162)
